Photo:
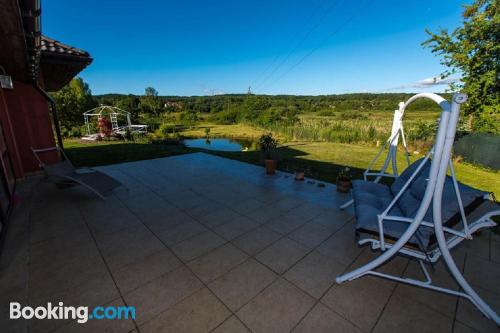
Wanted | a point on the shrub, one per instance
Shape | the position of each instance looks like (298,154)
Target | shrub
(104,126)
(141,138)
(167,129)
(487,121)
(73,132)
(128,135)
(92,128)
(64,132)
(268,145)
(280,114)
(422,131)
(153,122)
(187,118)
(227,117)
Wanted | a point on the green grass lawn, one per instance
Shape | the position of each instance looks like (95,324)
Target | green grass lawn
(321,160)
(110,152)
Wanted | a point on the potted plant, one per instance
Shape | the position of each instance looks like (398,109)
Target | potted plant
(268,145)
(299,174)
(344,180)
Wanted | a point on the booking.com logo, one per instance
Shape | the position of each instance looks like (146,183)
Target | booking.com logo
(80,313)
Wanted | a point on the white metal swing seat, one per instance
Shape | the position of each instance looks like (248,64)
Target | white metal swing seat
(419,214)
(375,200)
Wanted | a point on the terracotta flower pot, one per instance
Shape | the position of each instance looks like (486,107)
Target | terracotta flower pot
(270,166)
(299,175)
(343,186)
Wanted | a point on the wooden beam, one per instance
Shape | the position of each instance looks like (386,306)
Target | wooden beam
(13,57)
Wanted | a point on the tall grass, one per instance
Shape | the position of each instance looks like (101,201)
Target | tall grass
(367,130)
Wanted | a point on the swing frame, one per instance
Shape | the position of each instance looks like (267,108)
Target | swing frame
(441,163)
(391,145)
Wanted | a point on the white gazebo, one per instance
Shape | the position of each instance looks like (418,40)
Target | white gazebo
(114,115)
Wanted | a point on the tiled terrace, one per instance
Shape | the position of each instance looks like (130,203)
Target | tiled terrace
(199,243)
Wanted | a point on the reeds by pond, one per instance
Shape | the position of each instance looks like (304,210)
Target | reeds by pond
(370,130)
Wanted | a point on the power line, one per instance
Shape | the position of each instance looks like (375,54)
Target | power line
(266,70)
(307,55)
(309,19)
(304,38)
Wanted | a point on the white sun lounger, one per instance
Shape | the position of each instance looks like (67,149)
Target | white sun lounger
(96,181)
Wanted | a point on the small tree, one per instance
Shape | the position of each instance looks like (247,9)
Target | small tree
(473,51)
(128,103)
(151,102)
(72,101)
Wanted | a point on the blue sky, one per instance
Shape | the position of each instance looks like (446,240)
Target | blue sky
(276,47)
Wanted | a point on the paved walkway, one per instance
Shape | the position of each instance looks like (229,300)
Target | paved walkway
(200,243)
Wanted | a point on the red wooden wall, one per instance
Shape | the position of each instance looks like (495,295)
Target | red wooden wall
(26,122)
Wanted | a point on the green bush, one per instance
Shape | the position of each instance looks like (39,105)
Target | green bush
(128,135)
(73,132)
(227,117)
(141,138)
(167,129)
(278,114)
(153,122)
(422,131)
(487,121)
(187,118)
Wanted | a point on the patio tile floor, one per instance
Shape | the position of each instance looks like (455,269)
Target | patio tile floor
(240,285)
(199,243)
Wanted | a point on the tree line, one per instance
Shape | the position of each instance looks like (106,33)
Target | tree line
(153,109)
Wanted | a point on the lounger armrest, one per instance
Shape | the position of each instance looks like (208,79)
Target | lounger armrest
(43,150)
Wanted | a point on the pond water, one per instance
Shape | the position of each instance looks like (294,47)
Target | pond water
(220,144)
